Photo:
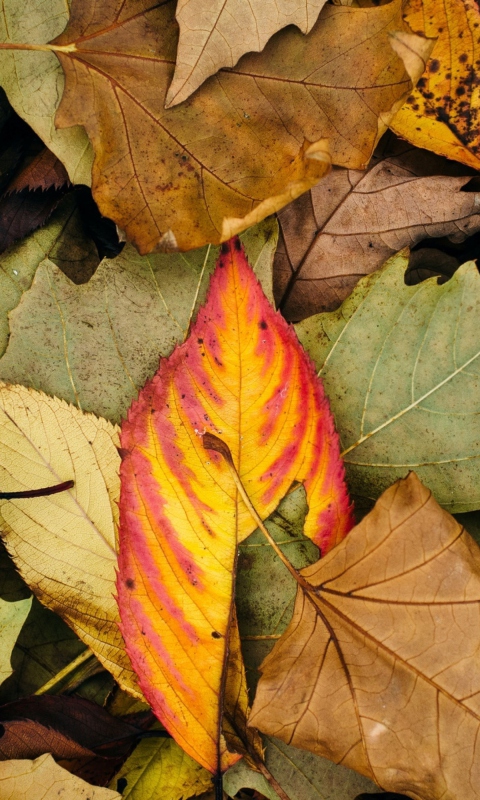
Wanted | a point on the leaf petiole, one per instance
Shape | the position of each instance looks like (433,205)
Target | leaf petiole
(59,487)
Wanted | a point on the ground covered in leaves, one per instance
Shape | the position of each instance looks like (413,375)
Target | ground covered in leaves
(239,399)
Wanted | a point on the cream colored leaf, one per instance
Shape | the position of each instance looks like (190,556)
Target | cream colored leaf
(34,81)
(216,34)
(12,617)
(64,544)
(43,779)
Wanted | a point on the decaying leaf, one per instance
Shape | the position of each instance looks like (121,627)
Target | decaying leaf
(64,545)
(12,618)
(90,742)
(158,768)
(352,221)
(379,665)
(251,140)
(96,345)
(34,81)
(400,367)
(218,34)
(241,375)
(43,779)
(31,197)
(442,113)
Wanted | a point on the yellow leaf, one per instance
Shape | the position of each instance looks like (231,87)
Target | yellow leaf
(64,544)
(442,113)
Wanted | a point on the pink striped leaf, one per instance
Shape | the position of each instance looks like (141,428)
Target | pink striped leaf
(242,376)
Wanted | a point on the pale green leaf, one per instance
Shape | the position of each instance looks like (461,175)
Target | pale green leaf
(60,242)
(33,81)
(96,344)
(401,367)
(265,590)
(301,775)
(12,617)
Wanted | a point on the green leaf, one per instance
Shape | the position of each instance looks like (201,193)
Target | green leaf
(158,768)
(61,242)
(265,590)
(12,617)
(300,774)
(34,81)
(401,367)
(96,344)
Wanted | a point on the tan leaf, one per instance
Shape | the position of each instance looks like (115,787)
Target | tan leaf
(249,141)
(218,33)
(351,222)
(379,667)
(43,779)
(442,113)
(64,544)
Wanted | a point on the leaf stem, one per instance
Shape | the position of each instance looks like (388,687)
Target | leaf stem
(77,662)
(60,48)
(272,781)
(60,487)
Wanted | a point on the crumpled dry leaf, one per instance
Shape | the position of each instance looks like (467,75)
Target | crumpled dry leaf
(351,222)
(97,344)
(43,441)
(34,81)
(250,140)
(400,365)
(217,34)
(12,617)
(43,779)
(378,669)
(442,113)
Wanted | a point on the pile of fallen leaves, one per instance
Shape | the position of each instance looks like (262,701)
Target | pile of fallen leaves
(239,399)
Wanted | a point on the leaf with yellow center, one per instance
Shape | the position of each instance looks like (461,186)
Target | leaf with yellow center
(241,376)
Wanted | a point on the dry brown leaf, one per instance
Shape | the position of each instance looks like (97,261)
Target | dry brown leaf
(352,222)
(248,142)
(379,667)
(442,113)
(218,33)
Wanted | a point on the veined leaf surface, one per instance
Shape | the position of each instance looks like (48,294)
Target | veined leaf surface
(241,376)
(247,142)
(378,669)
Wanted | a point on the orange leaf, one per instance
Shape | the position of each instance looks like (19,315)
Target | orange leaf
(242,376)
